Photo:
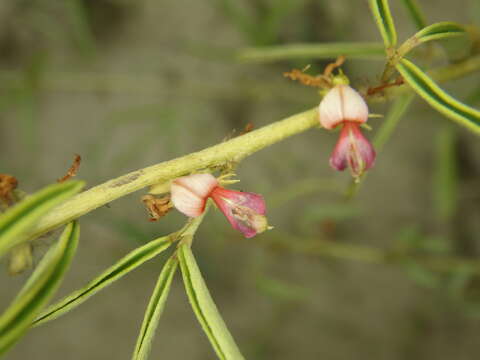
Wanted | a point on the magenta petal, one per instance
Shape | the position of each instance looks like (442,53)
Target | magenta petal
(338,159)
(248,232)
(353,150)
(244,210)
(365,149)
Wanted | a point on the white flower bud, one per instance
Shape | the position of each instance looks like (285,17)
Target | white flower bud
(342,103)
(189,193)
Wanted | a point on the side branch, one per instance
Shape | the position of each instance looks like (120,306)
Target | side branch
(230,151)
(233,150)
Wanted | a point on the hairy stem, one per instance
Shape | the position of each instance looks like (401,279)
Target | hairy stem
(233,150)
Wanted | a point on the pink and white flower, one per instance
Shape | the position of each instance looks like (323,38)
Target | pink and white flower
(245,211)
(344,106)
(189,193)
(352,150)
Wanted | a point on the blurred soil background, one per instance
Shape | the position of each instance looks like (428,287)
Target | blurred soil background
(128,84)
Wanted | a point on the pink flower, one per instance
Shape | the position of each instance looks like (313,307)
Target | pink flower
(344,106)
(189,193)
(352,150)
(245,211)
(342,103)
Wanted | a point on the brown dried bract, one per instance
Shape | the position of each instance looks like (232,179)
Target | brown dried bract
(157,207)
(374,90)
(73,169)
(8,184)
(308,80)
(332,66)
(324,80)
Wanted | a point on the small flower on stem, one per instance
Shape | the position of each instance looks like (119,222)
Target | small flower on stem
(245,211)
(342,103)
(344,106)
(352,150)
(189,194)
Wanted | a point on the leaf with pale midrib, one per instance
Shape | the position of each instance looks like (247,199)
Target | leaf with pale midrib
(128,263)
(352,50)
(384,20)
(155,309)
(38,290)
(437,31)
(424,86)
(205,308)
(19,219)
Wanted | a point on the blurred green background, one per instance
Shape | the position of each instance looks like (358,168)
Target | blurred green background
(391,274)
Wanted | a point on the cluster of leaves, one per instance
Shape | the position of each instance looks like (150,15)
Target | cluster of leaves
(420,82)
(28,308)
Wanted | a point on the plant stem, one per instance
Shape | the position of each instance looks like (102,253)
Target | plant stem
(368,50)
(367,254)
(457,70)
(439,74)
(231,151)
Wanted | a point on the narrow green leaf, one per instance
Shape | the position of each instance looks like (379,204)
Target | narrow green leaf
(384,20)
(38,290)
(204,307)
(128,263)
(424,86)
(415,13)
(17,221)
(437,31)
(155,309)
(359,50)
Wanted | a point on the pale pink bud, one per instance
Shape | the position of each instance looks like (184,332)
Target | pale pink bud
(342,103)
(352,150)
(190,193)
(245,211)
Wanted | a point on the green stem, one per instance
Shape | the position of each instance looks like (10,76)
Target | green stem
(389,69)
(230,151)
(367,254)
(367,50)
(455,71)
(440,74)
